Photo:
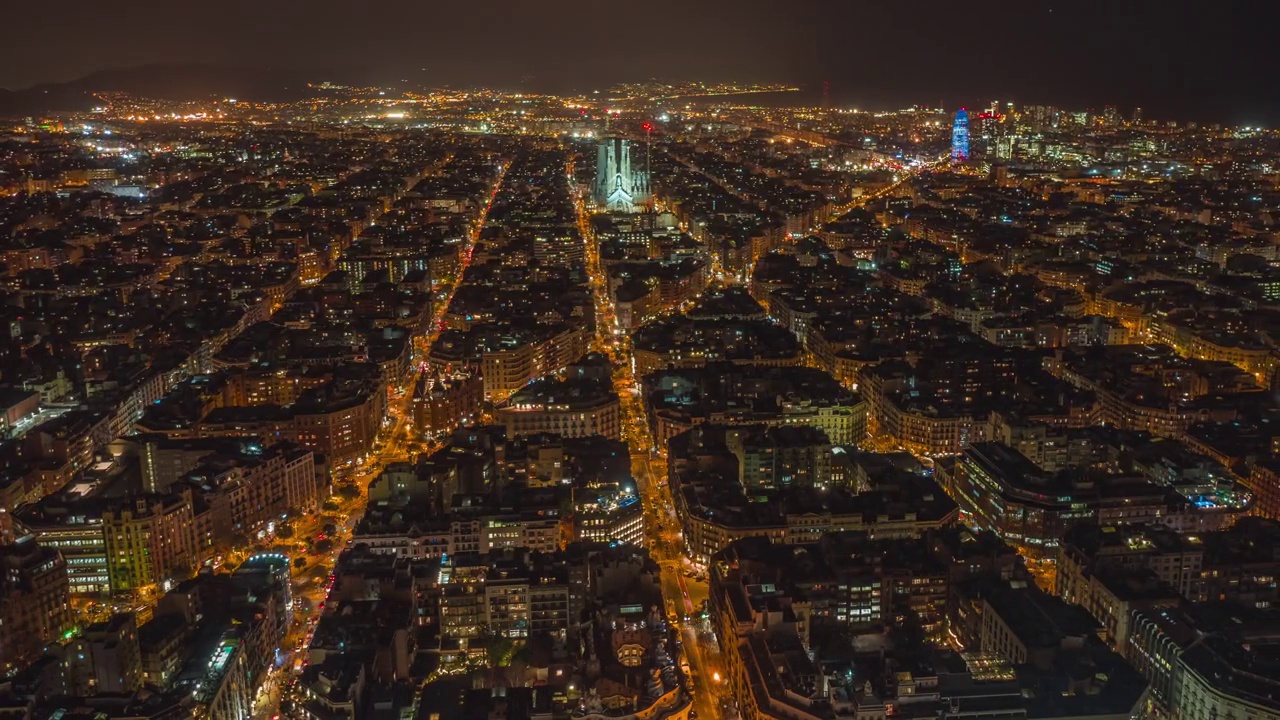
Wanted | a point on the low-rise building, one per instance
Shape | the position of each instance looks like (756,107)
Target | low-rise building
(715,507)
(816,632)
(999,489)
(150,539)
(443,402)
(678,400)
(1211,660)
(105,658)
(509,355)
(72,525)
(579,403)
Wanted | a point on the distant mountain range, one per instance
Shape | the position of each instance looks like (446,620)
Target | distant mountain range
(170,82)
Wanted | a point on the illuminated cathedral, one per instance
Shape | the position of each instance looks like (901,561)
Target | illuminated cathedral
(619,187)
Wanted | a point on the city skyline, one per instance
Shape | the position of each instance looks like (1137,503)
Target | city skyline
(336,398)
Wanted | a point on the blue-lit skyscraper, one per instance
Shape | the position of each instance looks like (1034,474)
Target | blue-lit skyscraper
(960,137)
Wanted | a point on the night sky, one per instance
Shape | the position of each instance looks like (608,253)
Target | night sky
(1208,59)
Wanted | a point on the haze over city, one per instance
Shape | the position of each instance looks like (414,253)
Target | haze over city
(1178,58)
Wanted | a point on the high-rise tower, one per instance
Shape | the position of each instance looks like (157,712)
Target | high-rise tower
(960,137)
(619,187)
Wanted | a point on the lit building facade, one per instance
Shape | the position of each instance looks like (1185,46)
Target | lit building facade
(106,658)
(960,137)
(441,402)
(618,519)
(37,606)
(619,186)
(150,539)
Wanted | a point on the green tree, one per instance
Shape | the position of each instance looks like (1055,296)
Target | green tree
(502,651)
